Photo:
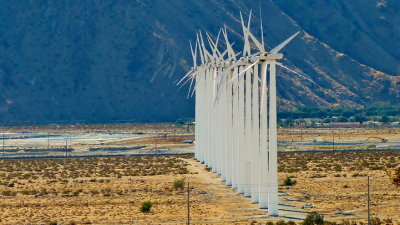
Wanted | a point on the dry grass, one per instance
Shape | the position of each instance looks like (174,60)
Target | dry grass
(337,182)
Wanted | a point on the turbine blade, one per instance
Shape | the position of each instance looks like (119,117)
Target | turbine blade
(206,53)
(193,53)
(246,47)
(219,33)
(228,45)
(190,87)
(256,42)
(219,89)
(194,89)
(261,26)
(200,51)
(298,74)
(216,52)
(281,45)
(186,75)
(187,80)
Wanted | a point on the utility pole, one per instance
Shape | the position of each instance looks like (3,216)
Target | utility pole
(3,144)
(48,140)
(333,142)
(369,202)
(188,205)
(156,146)
(301,134)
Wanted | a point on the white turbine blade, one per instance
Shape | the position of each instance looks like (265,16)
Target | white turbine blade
(281,45)
(190,87)
(186,75)
(194,89)
(194,53)
(261,26)
(256,42)
(214,46)
(228,45)
(187,80)
(223,54)
(292,71)
(211,44)
(219,92)
(244,71)
(206,53)
(246,46)
(247,37)
(200,51)
(219,33)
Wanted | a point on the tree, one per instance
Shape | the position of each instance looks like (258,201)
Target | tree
(385,119)
(360,118)
(313,218)
(342,119)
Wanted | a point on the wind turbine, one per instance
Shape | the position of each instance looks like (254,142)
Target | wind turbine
(236,133)
(268,59)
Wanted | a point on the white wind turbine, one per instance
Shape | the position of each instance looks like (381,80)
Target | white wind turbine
(268,59)
(235,132)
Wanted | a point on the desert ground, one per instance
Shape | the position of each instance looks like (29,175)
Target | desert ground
(110,190)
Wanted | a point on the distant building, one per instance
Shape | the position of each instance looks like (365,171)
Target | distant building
(312,120)
(395,124)
(345,124)
(372,123)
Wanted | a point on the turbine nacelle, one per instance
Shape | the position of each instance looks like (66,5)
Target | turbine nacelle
(270,56)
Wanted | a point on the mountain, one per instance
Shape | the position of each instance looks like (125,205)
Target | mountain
(114,61)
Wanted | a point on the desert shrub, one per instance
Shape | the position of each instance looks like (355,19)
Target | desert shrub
(179,184)
(375,221)
(8,193)
(396,177)
(291,222)
(270,223)
(280,222)
(388,221)
(289,181)
(337,167)
(313,218)
(146,206)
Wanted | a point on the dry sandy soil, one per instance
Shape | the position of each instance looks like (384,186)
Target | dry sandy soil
(110,190)
(74,195)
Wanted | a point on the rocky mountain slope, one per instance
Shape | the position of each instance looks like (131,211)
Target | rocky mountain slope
(114,61)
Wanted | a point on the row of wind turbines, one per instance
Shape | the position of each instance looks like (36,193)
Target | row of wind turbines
(235,113)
